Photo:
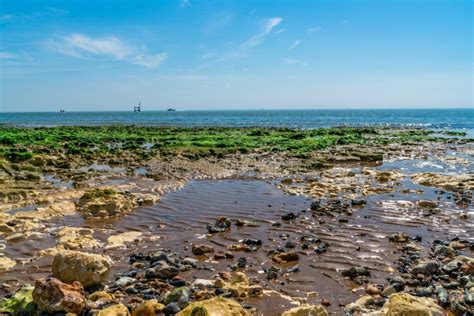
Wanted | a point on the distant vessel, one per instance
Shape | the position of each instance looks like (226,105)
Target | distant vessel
(61,111)
(137,108)
(171,110)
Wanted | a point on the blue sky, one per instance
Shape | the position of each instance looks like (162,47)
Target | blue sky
(190,54)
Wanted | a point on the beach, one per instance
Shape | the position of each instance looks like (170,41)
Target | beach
(263,220)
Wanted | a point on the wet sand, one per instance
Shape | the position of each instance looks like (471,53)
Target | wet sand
(179,219)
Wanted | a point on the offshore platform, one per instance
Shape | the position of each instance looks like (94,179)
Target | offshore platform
(137,108)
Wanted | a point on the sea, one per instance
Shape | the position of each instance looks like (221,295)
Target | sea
(437,119)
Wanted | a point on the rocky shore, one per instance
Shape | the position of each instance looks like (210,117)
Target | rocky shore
(164,221)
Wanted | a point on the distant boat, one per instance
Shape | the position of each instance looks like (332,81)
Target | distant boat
(61,111)
(171,110)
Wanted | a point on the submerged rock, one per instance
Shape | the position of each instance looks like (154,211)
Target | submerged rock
(53,296)
(306,310)
(285,257)
(118,241)
(201,249)
(88,269)
(217,306)
(20,303)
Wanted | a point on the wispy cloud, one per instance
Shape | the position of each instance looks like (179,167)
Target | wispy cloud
(267,27)
(269,24)
(315,29)
(6,55)
(295,44)
(49,12)
(347,21)
(242,50)
(82,46)
(291,61)
(184,3)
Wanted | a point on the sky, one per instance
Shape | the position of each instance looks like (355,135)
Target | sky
(107,55)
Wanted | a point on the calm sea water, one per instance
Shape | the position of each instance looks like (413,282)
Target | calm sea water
(454,119)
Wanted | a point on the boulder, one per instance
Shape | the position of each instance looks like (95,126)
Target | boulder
(88,269)
(114,310)
(53,296)
(217,306)
(20,303)
(404,304)
(306,310)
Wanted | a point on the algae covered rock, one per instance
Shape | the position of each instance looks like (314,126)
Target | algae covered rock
(114,310)
(306,310)
(88,269)
(52,296)
(20,302)
(404,304)
(217,306)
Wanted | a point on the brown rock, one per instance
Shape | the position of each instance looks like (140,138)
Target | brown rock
(201,249)
(52,296)
(285,257)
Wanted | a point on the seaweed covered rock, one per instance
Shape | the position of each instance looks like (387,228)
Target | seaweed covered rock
(102,203)
(19,303)
(53,296)
(88,269)
(217,306)
(401,304)
(306,310)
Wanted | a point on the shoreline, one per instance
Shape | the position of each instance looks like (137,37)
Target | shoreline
(99,177)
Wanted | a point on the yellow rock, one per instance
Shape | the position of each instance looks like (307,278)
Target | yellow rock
(403,304)
(100,296)
(217,306)
(115,310)
(306,310)
(148,308)
(6,263)
(77,238)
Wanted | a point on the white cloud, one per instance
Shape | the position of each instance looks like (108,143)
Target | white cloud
(315,29)
(150,61)
(6,55)
(280,31)
(82,46)
(184,3)
(269,24)
(291,61)
(295,44)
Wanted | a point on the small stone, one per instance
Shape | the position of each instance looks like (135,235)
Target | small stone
(371,289)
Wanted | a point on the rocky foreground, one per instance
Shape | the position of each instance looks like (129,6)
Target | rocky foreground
(387,238)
